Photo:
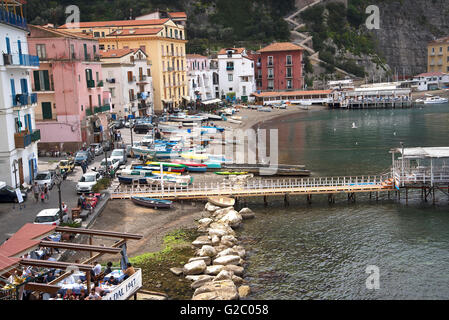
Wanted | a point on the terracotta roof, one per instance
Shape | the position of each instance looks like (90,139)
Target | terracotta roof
(441,40)
(280,46)
(431,74)
(120,23)
(237,50)
(290,93)
(28,237)
(115,53)
(61,33)
(195,56)
(135,32)
(7,264)
(177,14)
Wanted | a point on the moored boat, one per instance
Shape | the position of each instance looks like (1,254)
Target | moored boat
(230,173)
(152,203)
(221,201)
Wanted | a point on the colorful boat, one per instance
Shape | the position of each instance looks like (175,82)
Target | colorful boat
(152,203)
(197,169)
(194,156)
(170,181)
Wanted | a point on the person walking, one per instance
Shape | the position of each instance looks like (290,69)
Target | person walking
(36,191)
(46,195)
(84,166)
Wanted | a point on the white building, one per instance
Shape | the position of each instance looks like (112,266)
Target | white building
(236,74)
(429,81)
(128,78)
(19,137)
(202,80)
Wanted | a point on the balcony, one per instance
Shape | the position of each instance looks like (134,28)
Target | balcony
(22,60)
(13,19)
(100,83)
(24,99)
(91,111)
(111,80)
(22,139)
(132,79)
(230,68)
(142,78)
(91,84)
(36,135)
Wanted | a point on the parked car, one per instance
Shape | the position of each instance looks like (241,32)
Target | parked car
(8,194)
(112,164)
(142,128)
(118,124)
(98,148)
(119,154)
(50,216)
(67,164)
(45,177)
(87,181)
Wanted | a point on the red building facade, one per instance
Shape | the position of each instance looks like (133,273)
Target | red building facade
(281,67)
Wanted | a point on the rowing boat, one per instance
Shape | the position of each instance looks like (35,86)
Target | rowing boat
(152,203)
(230,173)
(221,201)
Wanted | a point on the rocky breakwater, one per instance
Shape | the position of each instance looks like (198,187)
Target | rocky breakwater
(217,269)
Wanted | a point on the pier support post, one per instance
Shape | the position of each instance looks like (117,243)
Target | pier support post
(330,198)
(377,196)
(286,202)
(309,199)
(265,202)
(388,195)
(406,195)
(433,196)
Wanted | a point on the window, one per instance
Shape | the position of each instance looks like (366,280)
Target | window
(289,60)
(41,80)
(244,90)
(230,89)
(41,51)
(112,90)
(270,60)
(99,100)
(270,73)
(289,72)
(270,84)
(72,51)
(102,34)
(230,77)
(289,84)
(180,34)
(96,34)
(86,57)
(229,65)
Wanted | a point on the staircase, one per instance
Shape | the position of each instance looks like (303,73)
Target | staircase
(304,39)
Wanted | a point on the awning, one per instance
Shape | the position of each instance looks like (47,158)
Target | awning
(186,98)
(432,152)
(211,101)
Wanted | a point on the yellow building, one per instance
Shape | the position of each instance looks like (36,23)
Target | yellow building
(162,40)
(438,55)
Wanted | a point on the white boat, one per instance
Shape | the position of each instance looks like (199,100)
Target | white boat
(234,121)
(433,100)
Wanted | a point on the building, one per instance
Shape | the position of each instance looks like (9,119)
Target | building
(128,79)
(429,81)
(177,17)
(438,55)
(300,97)
(236,74)
(72,107)
(18,146)
(281,64)
(162,40)
(201,78)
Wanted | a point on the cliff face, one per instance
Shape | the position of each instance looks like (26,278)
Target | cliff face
(405,29)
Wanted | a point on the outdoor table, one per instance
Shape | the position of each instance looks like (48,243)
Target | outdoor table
(118,274)
(55,237)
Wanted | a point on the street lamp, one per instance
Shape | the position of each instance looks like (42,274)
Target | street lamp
(58,182)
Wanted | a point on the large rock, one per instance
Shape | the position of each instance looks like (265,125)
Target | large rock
(214,270)
(215,240)
(237,280)
(219,290)
(205,222)
(202,280)
(247,213)
(222,212)
(232,218)
(237,270)
(224,260)
(207,260)
(195,267)
(244,291)
(241,251)
(194,278)
(224,275)
(220,229)
(228,252)
(207,251)
(230,238)
(201,241)
(210,207)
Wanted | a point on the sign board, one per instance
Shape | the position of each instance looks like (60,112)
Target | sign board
(19,196)
(127,288)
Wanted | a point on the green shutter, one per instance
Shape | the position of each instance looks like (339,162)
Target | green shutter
(46,80)
(46,110)
(37,84)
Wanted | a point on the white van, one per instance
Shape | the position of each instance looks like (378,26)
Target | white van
(49,216)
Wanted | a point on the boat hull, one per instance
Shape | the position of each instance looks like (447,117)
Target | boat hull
(152,203)
(221,201)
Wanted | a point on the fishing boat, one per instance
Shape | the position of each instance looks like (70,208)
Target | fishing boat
(264,169)
(152,203)
(210,116)
(265,109)
(230,173)
(143,151)
(166,164)
(170,181)
(128,176)
(194,156)
(234,121)
(213,164)
(197,169)
(221,201)
(433,100)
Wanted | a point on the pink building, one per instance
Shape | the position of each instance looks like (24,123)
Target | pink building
(72,107)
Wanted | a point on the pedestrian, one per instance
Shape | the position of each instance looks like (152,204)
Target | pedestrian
(47,197)
(42,196)
(36,191)
(84,166)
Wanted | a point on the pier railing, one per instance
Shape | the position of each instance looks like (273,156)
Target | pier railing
(252,187)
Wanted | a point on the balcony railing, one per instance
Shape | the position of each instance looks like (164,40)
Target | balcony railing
(12,19)
(36,135)
(20,60)
(22,139)
(24,99)
(142,78)
(103,108)
(100,83)
(91,83)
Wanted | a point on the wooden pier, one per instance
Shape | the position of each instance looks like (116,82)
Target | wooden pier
(262,188)
(368,104)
